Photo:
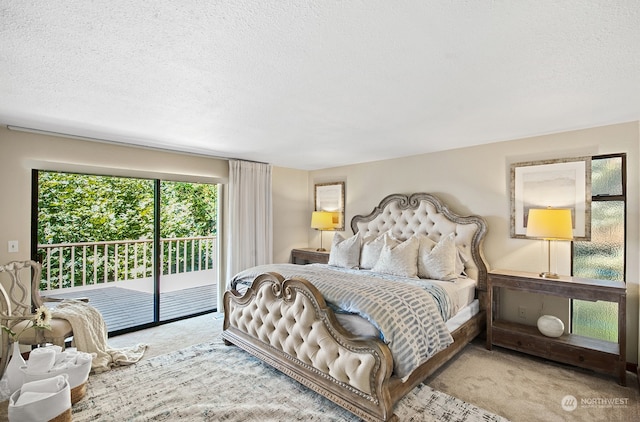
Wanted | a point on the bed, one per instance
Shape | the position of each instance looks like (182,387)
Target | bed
(346,344)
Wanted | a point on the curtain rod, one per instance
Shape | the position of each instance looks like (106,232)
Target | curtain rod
(121,143)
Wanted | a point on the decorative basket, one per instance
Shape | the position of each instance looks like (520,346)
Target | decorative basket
(62,417)
(78,375)
(55,407)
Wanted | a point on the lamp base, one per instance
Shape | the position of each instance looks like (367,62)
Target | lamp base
(321,250)
(549,275)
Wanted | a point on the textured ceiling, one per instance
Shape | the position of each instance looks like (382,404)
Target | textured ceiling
(316,84)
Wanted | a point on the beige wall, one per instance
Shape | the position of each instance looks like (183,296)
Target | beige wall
(476,181)
(291,211)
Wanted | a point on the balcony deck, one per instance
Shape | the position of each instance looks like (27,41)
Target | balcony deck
(124,308)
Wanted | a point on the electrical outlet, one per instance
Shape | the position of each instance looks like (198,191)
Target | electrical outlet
(13,246)
(522,312)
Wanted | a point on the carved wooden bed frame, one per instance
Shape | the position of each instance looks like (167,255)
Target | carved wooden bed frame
(276,319)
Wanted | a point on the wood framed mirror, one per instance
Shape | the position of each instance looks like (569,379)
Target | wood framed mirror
(330,197)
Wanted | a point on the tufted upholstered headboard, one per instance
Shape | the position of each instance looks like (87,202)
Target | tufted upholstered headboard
(423,213)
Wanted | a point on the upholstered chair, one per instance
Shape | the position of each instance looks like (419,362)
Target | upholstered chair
(18,301)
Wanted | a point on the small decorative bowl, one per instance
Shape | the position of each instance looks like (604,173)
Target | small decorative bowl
(550,326)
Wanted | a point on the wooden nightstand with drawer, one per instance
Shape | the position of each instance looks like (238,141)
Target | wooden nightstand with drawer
(309,256)
(598,355)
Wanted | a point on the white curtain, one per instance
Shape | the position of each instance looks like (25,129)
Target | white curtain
(250,232)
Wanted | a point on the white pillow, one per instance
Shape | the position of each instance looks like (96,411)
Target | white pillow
(461,261)
(371,248)
(437,261)
(345,253)
(398,259)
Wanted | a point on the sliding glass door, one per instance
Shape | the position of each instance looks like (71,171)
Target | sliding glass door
(188,221)
(143,251)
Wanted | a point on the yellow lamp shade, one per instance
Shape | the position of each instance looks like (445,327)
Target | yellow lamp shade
(550,224)
(322,220)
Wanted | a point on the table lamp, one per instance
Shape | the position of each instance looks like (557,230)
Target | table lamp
(550,224)
(321,220)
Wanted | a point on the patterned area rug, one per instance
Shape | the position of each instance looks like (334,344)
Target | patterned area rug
(214,382)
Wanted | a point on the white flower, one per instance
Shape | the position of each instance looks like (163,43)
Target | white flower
(40,320)
(43,317)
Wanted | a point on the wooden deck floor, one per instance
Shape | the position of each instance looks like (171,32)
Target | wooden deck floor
(125,308)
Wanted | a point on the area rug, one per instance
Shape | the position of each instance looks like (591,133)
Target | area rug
(214,382)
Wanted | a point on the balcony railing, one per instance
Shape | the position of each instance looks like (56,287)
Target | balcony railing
(67,265)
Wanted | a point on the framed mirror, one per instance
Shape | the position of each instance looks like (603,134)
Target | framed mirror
(561,183)
(330,197)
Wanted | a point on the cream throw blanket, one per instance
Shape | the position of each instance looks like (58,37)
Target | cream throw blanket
(90,336)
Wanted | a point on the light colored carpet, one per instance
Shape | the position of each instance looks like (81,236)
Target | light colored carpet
(525,388)
(515,386)
(214,382)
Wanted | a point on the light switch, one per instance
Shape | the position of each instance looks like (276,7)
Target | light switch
(13,246)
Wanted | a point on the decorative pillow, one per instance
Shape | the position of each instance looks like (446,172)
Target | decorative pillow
(345,253)
(461,260)
(398,259)
(437,261)
(371,248)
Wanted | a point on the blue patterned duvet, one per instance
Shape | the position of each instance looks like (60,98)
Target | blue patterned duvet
(409,313)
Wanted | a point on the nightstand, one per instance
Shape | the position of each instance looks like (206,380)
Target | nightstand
(598,355)
(309,256)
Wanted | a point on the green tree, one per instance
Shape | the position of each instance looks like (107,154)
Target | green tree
(187,209)
(79,208)
(87,208)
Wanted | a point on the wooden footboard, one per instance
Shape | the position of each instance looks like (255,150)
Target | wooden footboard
(287,324)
